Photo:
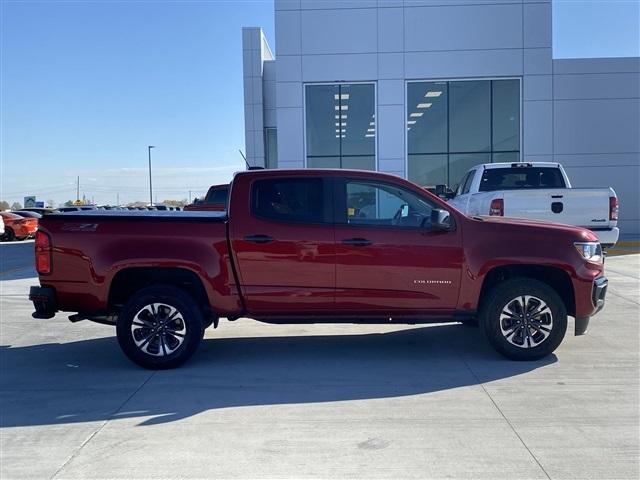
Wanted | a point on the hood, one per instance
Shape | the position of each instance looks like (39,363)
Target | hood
(539,226)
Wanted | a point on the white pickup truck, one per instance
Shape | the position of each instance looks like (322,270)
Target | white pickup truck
(540,191)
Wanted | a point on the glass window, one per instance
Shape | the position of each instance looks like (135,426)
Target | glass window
(453,126)
(470,112)
(427,117)
(340,126)
(381,204)
(428,170)
(271,148)
(466,185)
(217,195)
(289,199)
(506,115)
(520,177)
(460,163)
(505,157)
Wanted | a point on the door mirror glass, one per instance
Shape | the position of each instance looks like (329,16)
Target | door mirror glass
(440,220)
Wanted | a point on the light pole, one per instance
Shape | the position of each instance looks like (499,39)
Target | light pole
(150,184)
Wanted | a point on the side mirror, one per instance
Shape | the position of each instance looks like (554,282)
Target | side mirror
(440,219)
(443,192)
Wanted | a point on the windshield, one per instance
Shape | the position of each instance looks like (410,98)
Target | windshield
(517,178)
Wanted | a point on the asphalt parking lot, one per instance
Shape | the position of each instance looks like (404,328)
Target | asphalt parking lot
(332,401)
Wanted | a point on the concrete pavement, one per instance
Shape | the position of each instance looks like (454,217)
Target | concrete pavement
(330,401)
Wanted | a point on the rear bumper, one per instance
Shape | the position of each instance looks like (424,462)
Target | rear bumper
(598,294)
(608,237)
(44,302)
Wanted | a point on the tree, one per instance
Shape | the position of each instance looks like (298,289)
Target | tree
(51,203)
(68,203)
(16,206)
(4,205)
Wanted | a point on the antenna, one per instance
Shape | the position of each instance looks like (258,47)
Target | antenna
(245,159)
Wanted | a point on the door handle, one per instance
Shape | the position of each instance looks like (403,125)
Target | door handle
(258,238)
(357,242)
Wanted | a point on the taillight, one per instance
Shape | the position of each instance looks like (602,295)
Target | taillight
(43,253)
(497,207)
(613,208)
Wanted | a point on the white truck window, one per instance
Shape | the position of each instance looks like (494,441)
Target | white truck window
(518,178)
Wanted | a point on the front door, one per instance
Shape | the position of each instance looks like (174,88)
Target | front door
(284,247)
(388,260)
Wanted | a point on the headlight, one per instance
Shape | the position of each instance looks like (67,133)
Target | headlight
(591,251)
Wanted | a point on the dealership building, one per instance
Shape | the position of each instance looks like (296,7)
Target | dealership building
(426,89)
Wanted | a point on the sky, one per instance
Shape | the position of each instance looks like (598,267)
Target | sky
(87,85)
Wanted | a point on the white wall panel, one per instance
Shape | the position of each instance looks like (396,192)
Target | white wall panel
(538,87)
(391,92)
(339,31)
(390,30)
(597,85)
(391,65)
(463,27)
(288,32)
(391,131)
(289,68)
(538,128)
(597,126)
(287,5)
(346,67)
(538,61)
(290,135)
(288,94)
(337,4)
(537,25)
(481,63)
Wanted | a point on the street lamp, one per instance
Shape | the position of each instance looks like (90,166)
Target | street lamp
(150,185)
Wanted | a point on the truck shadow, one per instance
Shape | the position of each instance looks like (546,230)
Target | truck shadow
(91,380)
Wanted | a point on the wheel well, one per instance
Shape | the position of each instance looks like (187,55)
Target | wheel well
(128,281)
(554,277)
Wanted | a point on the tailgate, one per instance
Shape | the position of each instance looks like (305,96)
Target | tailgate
(582,207)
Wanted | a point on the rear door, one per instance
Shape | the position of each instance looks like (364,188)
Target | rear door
(283,242)
(388,260)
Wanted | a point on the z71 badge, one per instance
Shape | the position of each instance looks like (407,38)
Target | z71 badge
(79,227)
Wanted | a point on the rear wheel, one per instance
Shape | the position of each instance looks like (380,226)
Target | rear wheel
(160,327)
(524,319)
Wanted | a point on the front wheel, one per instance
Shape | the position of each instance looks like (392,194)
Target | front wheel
(160,327)
(524,319)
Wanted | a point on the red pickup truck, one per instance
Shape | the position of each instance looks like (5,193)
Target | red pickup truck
(312,246)
(214,201)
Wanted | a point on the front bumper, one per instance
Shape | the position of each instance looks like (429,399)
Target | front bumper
(598,294)
(44,302)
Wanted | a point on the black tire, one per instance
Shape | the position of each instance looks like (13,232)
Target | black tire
(500,314)
(159,334)
(9,235)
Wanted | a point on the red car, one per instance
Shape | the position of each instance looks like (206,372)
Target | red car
(17,227)
(214,201)
(314,246)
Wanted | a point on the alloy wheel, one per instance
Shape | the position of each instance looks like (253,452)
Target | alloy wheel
(526,321)
(158,329)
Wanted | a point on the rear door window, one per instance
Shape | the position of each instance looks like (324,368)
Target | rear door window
(518,178)
(299,200)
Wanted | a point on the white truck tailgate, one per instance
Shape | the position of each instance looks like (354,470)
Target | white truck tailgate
(583,207)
